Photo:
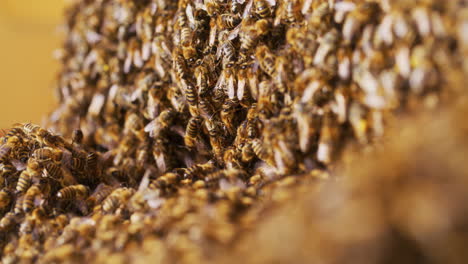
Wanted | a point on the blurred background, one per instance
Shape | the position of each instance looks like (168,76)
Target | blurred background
(28,36)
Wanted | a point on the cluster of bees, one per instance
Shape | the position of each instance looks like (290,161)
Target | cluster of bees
(184,114)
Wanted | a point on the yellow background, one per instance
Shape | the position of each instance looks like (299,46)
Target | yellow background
(29,33)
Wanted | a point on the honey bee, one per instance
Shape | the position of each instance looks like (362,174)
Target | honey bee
(235,7)
(73,192)
(18,208)
(92,161)
(328,134)
(47,154)
(29,198)
(261,151)
(77,136)
(45,138)
(53,170)
(5,199)
(192,131)
(191,96)
(6,171)
(31,129)
(190,54)
(5,149)
(199,19)
(321,16)
(252,128)
(14,132)
(185,36)
(24,181)
(262,8)
(327,44)
(163,121)
(227,115)
(363,13)
(292,13)
(133,123)
(116,199)
(179,66)
(206,108)
(21,153)
(142,156)
(201,76)
(308,124)
(266,59)
(77,164)
(8,221)
(248,39)
(197,170)
(212,7)
(165,180)
(99,194)
(228,21)
(247,153)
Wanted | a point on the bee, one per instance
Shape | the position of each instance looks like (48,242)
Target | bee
(248,39)
(206,107)
(77,136)
(231,158)
(181,19)
(321,16)
(78,164)
(133,123)
(191,96)
(261,151)
(165,180)
(142,156)
(227,114)
(5,149)
(24,181)
(363,13)
(21,153)
(116,199)
(5,199)
(29,198)
(101,192)
(292,13)
(328,136)
(47,154)
(262,8)
(185,36)
(247,153)
(228,21)
(252,128)
(73,192)
(91,161)
(212,7)
(190,54)
(266,59)
(31,129)
(6,170)
(200,20)
(14,132)
(46,138)
(8,221)
(327,44)
(179,66)
(235,7)
(53,170)
(192,130)
(18,208)
(197,170)
(201,76)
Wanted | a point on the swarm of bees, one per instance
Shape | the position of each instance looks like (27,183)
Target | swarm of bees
(190,120)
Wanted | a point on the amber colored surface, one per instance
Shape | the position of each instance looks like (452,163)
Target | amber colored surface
(29,33)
